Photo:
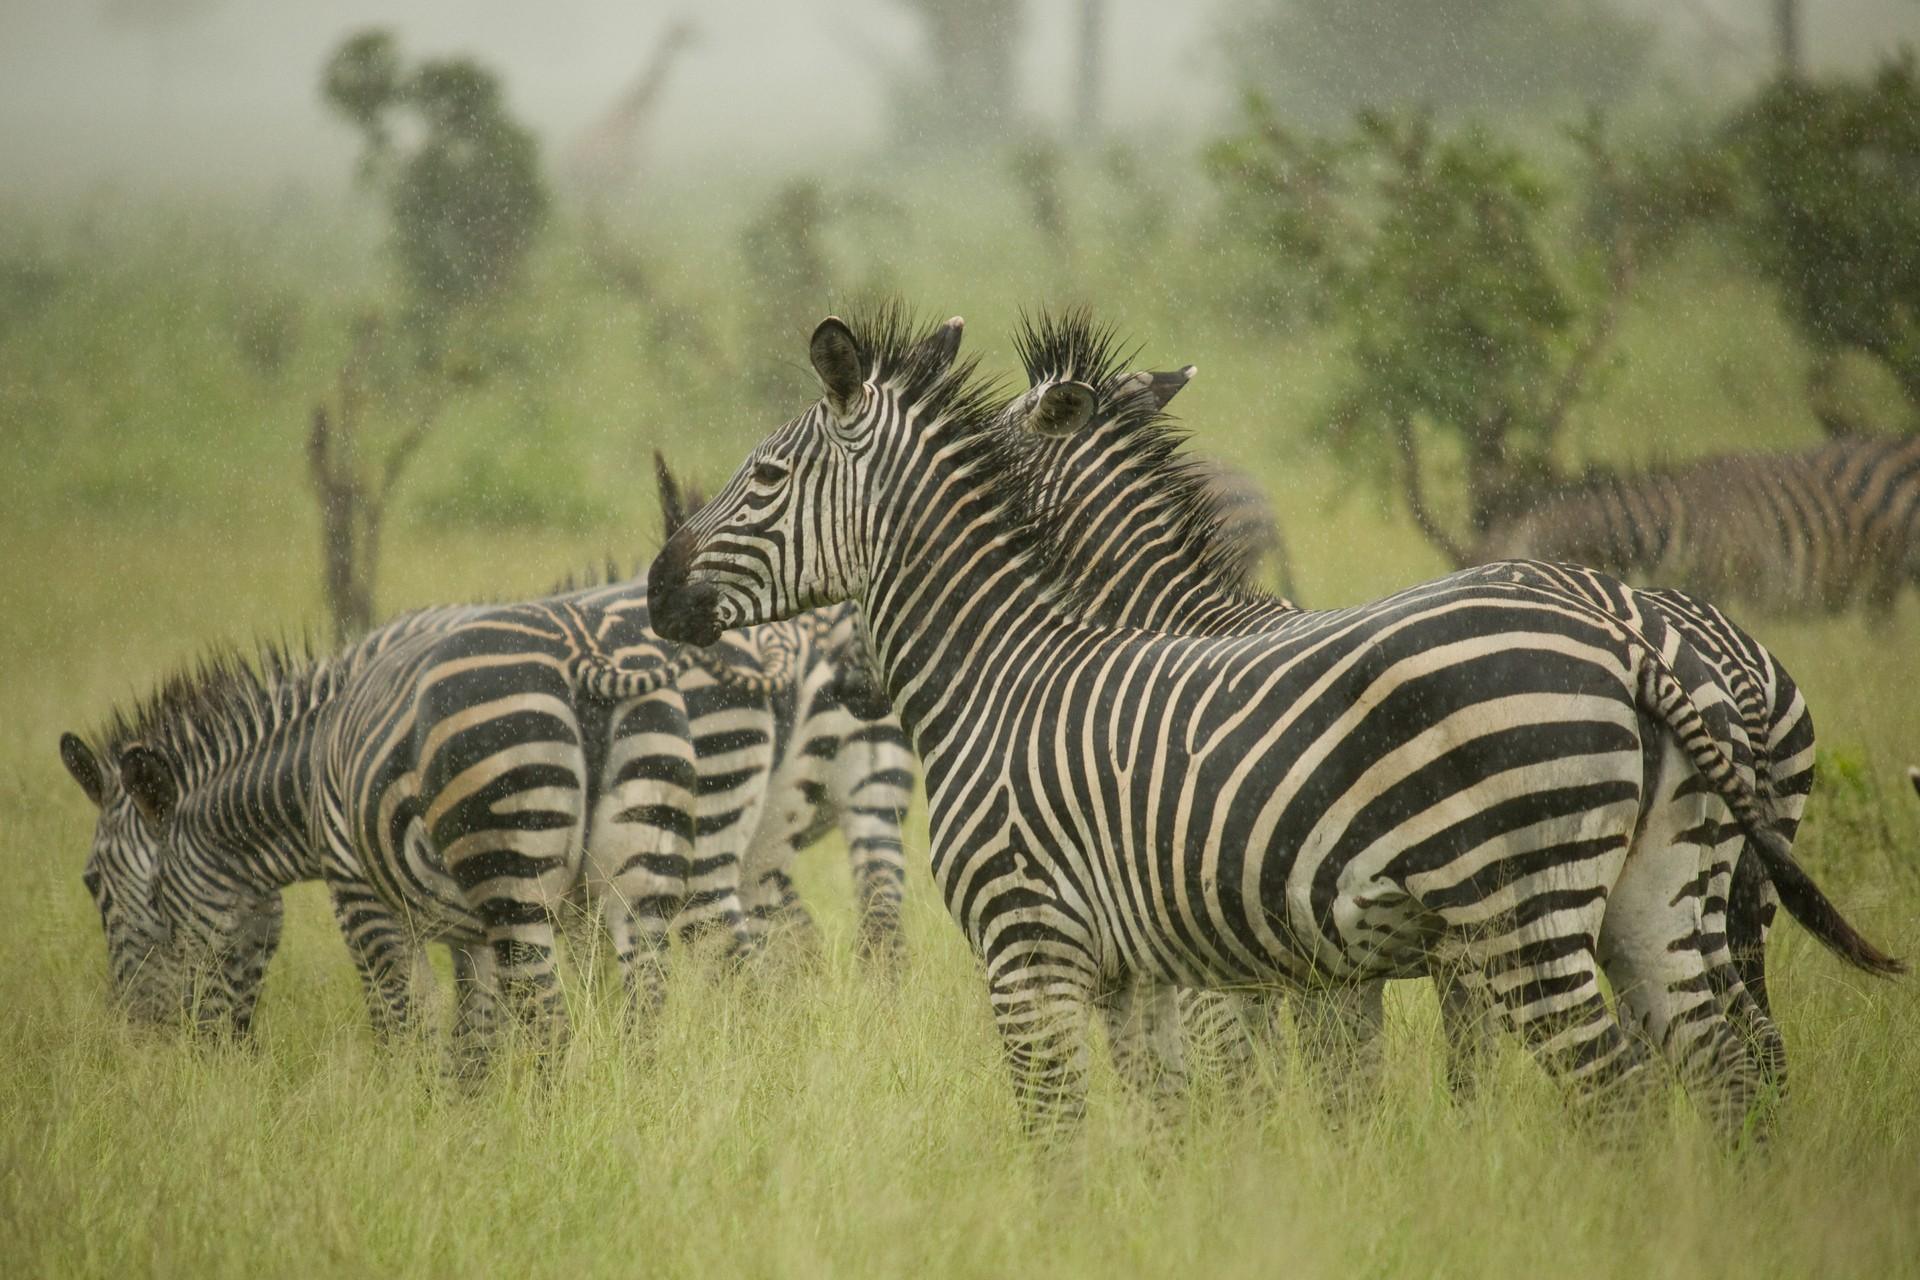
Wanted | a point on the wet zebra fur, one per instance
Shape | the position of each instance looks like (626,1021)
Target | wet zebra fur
(1812,532)
(1451,777)
(1772,733)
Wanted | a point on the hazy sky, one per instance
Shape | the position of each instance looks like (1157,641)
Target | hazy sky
(228,93)
(233,86)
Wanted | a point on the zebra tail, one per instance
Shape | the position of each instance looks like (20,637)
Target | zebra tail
(1803,899)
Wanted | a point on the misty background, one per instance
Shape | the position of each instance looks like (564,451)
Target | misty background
(220,93)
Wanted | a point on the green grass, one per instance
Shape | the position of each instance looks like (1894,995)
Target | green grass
(809,1119)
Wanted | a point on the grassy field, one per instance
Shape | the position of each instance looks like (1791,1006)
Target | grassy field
(808,1118)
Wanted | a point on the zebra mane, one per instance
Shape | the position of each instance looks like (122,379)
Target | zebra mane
(1072,345)
(893,344)
(209,711)
(604,574)
(1132,436)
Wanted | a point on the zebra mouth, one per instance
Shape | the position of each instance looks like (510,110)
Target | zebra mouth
(682,611)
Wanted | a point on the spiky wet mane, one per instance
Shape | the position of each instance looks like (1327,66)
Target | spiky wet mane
(1024,474)
(206,713)
(1072,345)
(1134,437)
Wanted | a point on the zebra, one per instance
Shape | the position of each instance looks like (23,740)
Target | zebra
(1451,776)
(223,717)
(1812,532)
(840,760)
(1086,474)
(439,776)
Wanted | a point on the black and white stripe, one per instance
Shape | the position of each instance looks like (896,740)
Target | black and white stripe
(1451,777)
(1812,532)
(1168,552)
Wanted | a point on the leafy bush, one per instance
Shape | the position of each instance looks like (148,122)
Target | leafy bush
(1830,210)
(467,200)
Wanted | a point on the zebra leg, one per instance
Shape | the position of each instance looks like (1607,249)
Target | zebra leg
(1655,952)
(1041,988)
(247,959)
(1142,1017)
(474,1011)
(640,841)
(1751,904)
(1340,1026)
(1545,979)
(382,952)
(1223,1031)
(873,784)
(1468,1022)
(772,902)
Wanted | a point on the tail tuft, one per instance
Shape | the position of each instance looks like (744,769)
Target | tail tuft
(1806,903)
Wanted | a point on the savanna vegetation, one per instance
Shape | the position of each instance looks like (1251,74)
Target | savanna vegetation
(161,363)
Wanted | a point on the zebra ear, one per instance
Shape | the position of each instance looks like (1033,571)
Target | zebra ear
(836,358)
(148,780)
(1063,409)
(1162,386)
(943,344)
(84,766)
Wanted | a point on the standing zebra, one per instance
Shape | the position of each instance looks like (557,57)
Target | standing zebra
(1452,776)
(1793,533)
(1167,554)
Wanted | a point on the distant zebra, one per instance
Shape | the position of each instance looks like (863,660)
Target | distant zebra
(1452,776)
(1818,531)
(1152,539)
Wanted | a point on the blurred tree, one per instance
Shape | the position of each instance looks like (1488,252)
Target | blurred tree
(1324,59)
(1037,167)
(463,190)
(1429,253)
(467,199)
(1092,63)
(1829,208)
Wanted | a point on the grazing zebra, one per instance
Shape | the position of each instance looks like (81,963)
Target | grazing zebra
(680,787)
(1792,533)
(1151,538)
(453,776)
(1452,776)
(840,760)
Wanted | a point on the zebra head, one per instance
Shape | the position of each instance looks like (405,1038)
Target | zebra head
(787,532)
(134,798)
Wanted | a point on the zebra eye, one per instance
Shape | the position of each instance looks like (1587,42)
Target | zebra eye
(768,473)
